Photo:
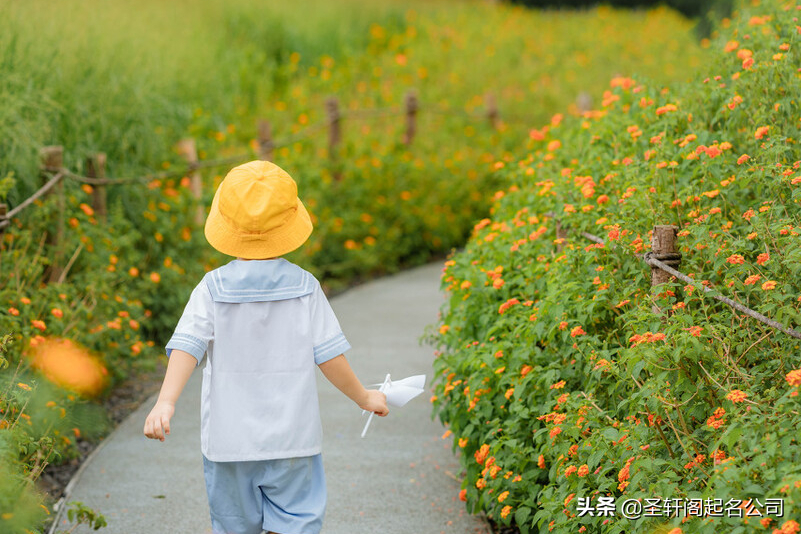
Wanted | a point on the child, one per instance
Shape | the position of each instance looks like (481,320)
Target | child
(264,323)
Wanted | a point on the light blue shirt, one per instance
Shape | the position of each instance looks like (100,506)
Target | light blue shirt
(264,325)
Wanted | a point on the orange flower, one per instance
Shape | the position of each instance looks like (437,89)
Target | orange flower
(763,258)
(770,284)
(525,370)
(155,278)
(481,454)
(502,497)
(748,214)
(577,331)
(506,511)
(38,324)
(558,385)
(761,132)
(463,495)
(562,325)
(541,462)
(794,377)
(676,530)
(583,470)
(751,280)
(13,311)
(87,209)
(736,395)
(506,305)
(570,470)
(133,271)
(666,108)
(57,313)
(735,259)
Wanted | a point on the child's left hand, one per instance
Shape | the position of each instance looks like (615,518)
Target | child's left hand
(157,424)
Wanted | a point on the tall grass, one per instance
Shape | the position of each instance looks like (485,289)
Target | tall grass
(129,80)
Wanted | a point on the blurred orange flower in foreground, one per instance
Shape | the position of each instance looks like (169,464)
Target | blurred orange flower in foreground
(68,365)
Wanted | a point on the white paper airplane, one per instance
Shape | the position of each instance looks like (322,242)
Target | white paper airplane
(399,392)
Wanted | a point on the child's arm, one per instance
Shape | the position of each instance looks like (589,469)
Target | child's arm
(338,371)
(179,369)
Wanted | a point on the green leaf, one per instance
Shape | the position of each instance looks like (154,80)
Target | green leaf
(635,371)
(522,514)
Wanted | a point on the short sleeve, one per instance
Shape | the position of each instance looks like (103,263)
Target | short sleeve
(195,329)
(327,336)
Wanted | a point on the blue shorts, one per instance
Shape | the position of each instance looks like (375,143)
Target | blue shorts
(285,496)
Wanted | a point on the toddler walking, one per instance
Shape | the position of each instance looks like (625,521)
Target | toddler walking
(263,324)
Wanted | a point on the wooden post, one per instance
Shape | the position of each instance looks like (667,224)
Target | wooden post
(188,150)
(560,234)
(335,125)
(334,133)
(584,102)
(664,249)
(52,160)
(96,168)
(265,140)
(3,214)
(411,117)
(492,110)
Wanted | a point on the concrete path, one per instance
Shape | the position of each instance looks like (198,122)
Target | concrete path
(401,478)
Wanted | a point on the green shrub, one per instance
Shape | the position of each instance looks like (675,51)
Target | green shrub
(558,380)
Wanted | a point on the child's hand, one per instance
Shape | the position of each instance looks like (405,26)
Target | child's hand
(375,402)
(157,424)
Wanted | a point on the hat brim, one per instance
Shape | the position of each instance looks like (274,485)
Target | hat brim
(254,246)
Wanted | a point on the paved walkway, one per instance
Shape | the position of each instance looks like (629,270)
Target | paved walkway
(401,478)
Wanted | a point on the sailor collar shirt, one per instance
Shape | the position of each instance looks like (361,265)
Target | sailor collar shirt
(263,326)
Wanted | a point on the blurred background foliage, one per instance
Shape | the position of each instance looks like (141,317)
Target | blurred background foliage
(131,80)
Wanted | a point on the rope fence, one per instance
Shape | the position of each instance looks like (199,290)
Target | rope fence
(53,173)
(664,257)
(267,145)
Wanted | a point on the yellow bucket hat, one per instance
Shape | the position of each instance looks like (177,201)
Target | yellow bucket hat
(256,213)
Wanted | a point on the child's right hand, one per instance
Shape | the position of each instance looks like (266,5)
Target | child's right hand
(157,424)
(375,402)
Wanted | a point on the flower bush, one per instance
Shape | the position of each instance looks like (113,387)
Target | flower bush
(567,381)
(121,281)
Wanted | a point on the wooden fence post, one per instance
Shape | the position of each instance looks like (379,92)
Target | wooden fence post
(560,234)
(265,141)
(52,160)
(188,149)
(664,249)
(411,117)
(492,110)
(584,102)
(335,125)
(334,132)
(96,168)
